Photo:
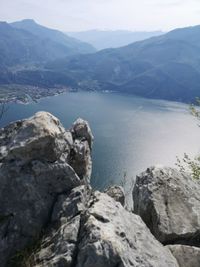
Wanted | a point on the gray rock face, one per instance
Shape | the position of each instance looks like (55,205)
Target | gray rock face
(169,203)
(46,197)
(186,256)
(81,130)
(111,236)
(81,154)
(93,230)
(59,245)
(35,156)
(117,193)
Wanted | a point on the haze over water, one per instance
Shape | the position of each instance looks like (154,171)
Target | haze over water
(130,133)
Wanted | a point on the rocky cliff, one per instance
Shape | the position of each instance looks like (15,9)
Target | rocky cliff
(51,217)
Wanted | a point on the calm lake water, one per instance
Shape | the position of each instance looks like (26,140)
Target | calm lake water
(131,133)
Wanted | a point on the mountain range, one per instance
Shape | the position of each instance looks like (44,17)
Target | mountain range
(164,67)
(112,39)
(26,42)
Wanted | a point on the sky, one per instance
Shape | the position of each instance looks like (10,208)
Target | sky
(79,15)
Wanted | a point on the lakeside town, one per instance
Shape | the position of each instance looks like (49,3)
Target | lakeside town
(27,94)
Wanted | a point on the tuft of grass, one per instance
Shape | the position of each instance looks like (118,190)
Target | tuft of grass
(192,166)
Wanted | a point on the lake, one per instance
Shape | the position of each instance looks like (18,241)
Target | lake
(131,133)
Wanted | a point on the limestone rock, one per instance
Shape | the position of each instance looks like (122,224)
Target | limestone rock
(81,153)
(117,193)
(46,197)
(91,229)
(80,159)
(40,137)
(35,170)
(111,236)
(81,130)
(59,245)
(169,203)
(187,256)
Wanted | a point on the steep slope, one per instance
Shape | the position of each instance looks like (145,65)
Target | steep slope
(20,47)
(25,47)
(73,46)
(112,39)
(29,43)
(165,67)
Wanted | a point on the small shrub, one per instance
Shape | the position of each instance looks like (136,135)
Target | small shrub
(192,166)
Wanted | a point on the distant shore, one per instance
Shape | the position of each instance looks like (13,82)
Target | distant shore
(26,94)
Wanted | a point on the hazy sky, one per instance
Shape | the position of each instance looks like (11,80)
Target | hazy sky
(74,15)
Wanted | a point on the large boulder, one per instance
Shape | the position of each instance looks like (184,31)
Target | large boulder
(92,229)
(169,203)
(111,236)
(41,137)
(187,256)
(35,156)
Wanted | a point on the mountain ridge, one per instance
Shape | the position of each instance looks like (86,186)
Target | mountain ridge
(24,44)
(102,39)
(166,67)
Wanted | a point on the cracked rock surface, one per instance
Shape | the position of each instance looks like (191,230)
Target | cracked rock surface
(93,230)
(169,203)
(35,156)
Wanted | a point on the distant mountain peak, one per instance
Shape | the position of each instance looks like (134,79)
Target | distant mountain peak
(28,21)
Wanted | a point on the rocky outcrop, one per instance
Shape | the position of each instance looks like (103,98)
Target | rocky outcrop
(111,236)
(187,256)
(169,203)
(59,245)
(117,193)
(51,217)
(35,157)
(95,230)
(80,158)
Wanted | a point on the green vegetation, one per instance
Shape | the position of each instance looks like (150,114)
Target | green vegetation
(189,165)
(186,164)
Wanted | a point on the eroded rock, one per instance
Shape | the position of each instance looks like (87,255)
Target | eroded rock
(169,203)
(81,153)
(81,131)
(59,245)
(187,256)
(111,236)
(35,170)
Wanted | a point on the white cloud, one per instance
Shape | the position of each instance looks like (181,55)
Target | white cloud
(104,14)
